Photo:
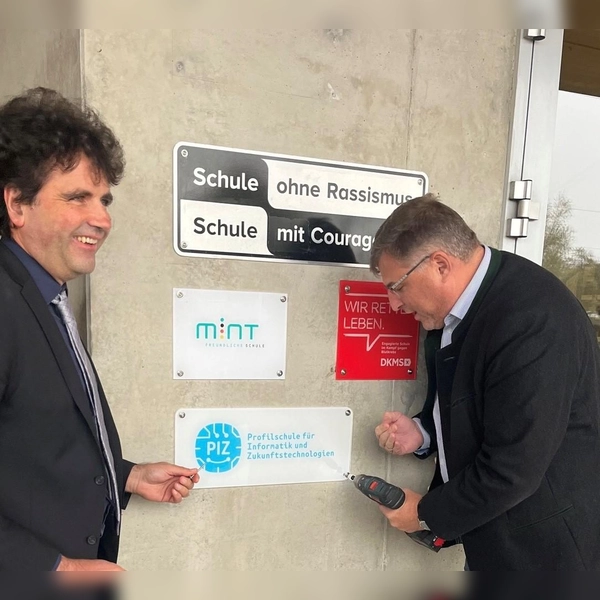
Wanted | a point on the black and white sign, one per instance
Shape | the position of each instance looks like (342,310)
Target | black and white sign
(243,204)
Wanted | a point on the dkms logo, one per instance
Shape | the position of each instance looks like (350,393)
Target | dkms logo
(218,447)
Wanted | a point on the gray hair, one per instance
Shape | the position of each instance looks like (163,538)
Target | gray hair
(423,224)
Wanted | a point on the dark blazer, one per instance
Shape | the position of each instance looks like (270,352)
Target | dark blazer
(519,392)
(52,473)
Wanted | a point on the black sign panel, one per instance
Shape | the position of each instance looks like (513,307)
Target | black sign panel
(241,204)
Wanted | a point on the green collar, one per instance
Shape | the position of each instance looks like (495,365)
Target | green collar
(495,261)
(434,338)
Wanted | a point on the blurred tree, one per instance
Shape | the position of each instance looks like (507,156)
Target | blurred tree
(560,256)
(576,267)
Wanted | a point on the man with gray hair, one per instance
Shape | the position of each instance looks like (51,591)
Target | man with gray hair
(513,399)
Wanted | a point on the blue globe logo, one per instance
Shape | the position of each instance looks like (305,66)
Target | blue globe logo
(218,448)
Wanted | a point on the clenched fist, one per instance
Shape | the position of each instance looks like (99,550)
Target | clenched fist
(398,434)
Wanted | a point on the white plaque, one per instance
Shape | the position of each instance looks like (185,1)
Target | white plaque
(229,335)
(264,446)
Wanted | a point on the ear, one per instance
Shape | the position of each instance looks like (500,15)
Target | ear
(442,264)
(15,209)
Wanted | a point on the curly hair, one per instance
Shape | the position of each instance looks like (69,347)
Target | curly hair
(40,131)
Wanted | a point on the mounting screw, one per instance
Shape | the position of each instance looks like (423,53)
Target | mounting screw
(410,371)
(181,415)
(419,181)
(279,373)
(283,299)
(180,294)
(179,373)
(179,66)
(347,289)
(348,413)
(343,372)
(183,245)
(184,153)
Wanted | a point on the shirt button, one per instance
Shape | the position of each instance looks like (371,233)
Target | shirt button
(99,480)
(92,540)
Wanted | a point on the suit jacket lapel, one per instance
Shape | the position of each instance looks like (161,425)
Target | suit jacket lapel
(446,359)
(32,296)
(432,345)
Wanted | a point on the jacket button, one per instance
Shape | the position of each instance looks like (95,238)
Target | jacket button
(99,480)
(92,540)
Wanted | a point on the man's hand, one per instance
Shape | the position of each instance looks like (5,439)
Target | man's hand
(161,482)
(70,564)
(406,517)
(398,434)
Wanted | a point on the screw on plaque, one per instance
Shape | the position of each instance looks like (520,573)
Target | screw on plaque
(184,153)
(343,372)
(348,412)
(279,373)
(419,181)
(410,371)
(347,289)
(183,245)
(181,415)
(283,299)
(180,294)
(179,373)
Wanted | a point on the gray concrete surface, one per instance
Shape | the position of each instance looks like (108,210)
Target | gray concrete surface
(437,101)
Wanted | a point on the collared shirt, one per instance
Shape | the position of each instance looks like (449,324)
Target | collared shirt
(48,286)
(453,318)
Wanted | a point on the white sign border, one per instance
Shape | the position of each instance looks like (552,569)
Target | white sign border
(183,412)
(230,256)
(277,375)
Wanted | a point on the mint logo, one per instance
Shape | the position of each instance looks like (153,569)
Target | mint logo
(223,331)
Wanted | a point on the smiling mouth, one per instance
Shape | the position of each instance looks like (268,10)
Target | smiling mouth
(86,240)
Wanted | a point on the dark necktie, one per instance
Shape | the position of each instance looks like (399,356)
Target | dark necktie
(64,308)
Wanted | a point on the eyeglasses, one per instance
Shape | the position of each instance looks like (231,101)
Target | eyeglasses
(394,287)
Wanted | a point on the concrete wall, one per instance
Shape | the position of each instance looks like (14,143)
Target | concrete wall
(437,101)
(46,57)
(49,58)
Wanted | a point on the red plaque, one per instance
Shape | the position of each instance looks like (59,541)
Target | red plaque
(373,341)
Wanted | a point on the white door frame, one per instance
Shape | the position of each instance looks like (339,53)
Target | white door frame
(531,143)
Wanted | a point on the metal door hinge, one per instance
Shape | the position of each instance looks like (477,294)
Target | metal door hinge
(527,210)
(535,34)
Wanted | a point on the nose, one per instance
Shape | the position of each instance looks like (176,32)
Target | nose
(99,217)
(394,301)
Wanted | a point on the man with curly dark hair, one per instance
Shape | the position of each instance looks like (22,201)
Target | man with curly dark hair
(64,481)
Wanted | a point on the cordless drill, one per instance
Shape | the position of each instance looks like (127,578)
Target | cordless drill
(393,497)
